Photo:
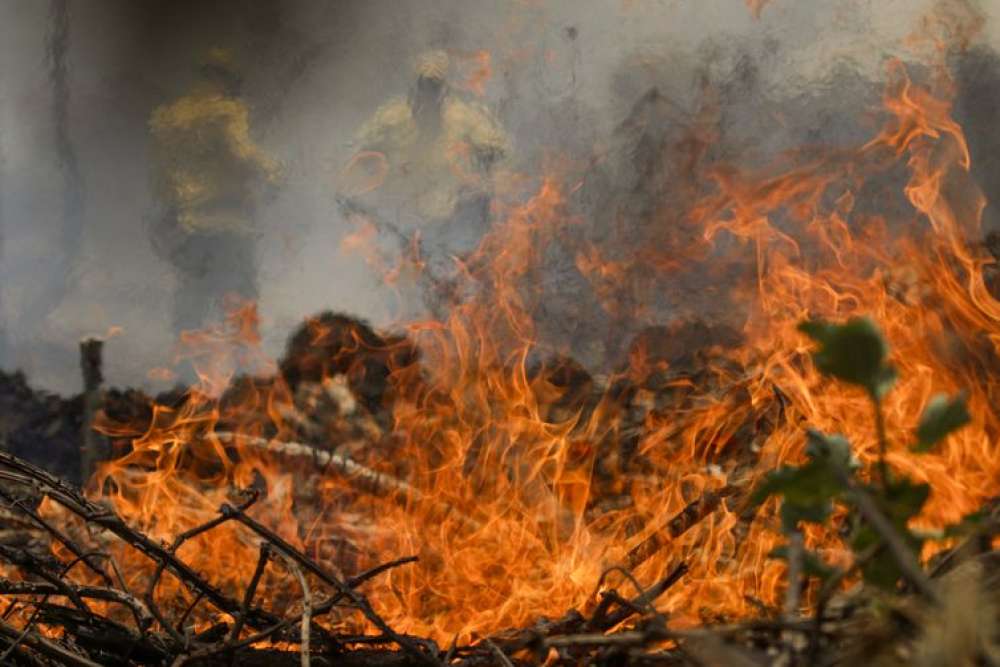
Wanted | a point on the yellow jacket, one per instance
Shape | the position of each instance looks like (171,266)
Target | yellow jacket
(208,167)
(431,173)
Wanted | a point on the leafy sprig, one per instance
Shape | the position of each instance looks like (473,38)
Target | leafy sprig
(856,352)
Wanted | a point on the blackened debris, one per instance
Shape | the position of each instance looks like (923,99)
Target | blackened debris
(331,344)
(41,427)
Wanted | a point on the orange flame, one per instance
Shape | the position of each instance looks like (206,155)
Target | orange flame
(519,493)
(476,71)
(756,7)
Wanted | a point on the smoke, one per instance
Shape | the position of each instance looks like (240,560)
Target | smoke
(977,109)
(586,82)
(53,284)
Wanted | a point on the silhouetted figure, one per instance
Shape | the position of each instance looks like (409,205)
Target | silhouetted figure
(426,162)
(210,177)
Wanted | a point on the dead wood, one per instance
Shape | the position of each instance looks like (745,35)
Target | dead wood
(93,442)
(617,630)
(102,517)
(362,478)
(678,525)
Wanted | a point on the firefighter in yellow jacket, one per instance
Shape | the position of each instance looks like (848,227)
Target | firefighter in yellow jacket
(427,162)
(210,178)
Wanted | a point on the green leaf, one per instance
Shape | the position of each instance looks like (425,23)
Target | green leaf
(942,416)
(902,500)
(806,494)
(854,352)
(808,491)
(831,449)
(883,382)
(881,569)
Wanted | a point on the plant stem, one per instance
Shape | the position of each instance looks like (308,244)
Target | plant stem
(883,442)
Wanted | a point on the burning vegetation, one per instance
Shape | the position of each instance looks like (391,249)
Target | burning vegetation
(811,479)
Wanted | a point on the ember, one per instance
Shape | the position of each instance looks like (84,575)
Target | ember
(735,424)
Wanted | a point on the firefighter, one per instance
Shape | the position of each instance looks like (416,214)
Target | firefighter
(426,162)
(210,178)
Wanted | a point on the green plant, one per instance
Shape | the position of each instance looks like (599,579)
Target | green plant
(877,530)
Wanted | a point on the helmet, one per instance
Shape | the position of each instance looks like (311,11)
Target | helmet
(432,65)
(220,59)
(221,65)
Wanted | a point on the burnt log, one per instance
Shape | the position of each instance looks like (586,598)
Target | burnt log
(331,344)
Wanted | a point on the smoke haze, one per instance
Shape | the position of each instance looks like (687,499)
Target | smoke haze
(80,79)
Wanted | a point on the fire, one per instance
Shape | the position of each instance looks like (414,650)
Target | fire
(477,70)
(756,7)
(519,496)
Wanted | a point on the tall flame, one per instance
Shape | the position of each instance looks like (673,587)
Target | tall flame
(511,478)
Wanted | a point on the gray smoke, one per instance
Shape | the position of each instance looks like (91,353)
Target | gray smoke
(80,78)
